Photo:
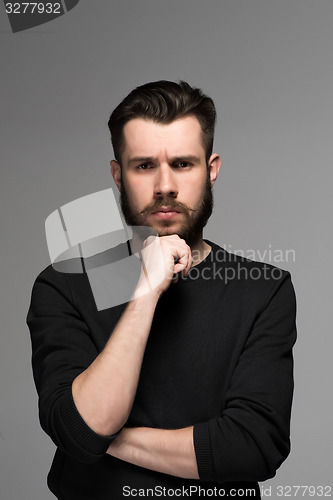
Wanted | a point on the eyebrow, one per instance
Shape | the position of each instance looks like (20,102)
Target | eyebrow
(144,159)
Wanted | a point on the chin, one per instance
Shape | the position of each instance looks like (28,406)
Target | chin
(166,231)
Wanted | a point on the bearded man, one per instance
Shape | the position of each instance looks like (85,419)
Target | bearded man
(186,389)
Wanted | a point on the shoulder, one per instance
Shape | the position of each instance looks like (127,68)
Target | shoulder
(59,274)
(251,268)
(53,282)
(250,279)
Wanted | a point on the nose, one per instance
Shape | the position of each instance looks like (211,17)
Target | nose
(165,184)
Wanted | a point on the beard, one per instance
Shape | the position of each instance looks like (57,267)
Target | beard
(196,218)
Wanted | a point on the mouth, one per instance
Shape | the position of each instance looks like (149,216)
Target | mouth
(166,209)
(166,213)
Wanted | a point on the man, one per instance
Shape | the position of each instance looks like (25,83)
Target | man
(186,389)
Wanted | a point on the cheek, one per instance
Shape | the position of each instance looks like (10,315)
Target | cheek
(137,192)
(194,189)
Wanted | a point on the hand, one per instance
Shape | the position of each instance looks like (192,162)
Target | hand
(162,258)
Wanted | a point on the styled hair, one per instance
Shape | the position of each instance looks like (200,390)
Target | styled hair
(163,102)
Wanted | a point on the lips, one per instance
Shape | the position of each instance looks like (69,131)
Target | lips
(165,213)
(166,210)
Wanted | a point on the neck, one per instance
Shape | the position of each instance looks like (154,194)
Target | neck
(200,249)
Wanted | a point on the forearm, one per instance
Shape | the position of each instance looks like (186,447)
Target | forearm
(104,392)
(162,450)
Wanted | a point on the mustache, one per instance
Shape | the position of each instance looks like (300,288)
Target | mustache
(162,203)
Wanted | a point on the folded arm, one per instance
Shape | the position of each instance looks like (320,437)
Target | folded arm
(162,450)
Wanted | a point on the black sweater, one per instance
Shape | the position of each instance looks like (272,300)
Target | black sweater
(219,357)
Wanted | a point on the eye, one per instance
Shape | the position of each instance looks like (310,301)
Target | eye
(144,166)
(183,164)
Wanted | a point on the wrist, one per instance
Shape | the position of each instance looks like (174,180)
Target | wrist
(145,296)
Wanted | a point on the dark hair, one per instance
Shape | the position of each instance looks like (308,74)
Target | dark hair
(163,102)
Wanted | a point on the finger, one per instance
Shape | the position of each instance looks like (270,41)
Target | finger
(175,278)
(183,263)
(189,265)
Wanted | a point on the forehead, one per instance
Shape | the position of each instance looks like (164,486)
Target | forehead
(147,138)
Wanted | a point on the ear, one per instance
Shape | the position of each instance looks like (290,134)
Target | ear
(214,164)
(116,173)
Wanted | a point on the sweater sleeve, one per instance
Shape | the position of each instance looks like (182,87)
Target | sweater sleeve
(250,439)
(62,348)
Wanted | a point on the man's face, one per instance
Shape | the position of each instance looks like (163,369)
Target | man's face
(165,182)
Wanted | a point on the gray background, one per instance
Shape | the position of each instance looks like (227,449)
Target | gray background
(268,66)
